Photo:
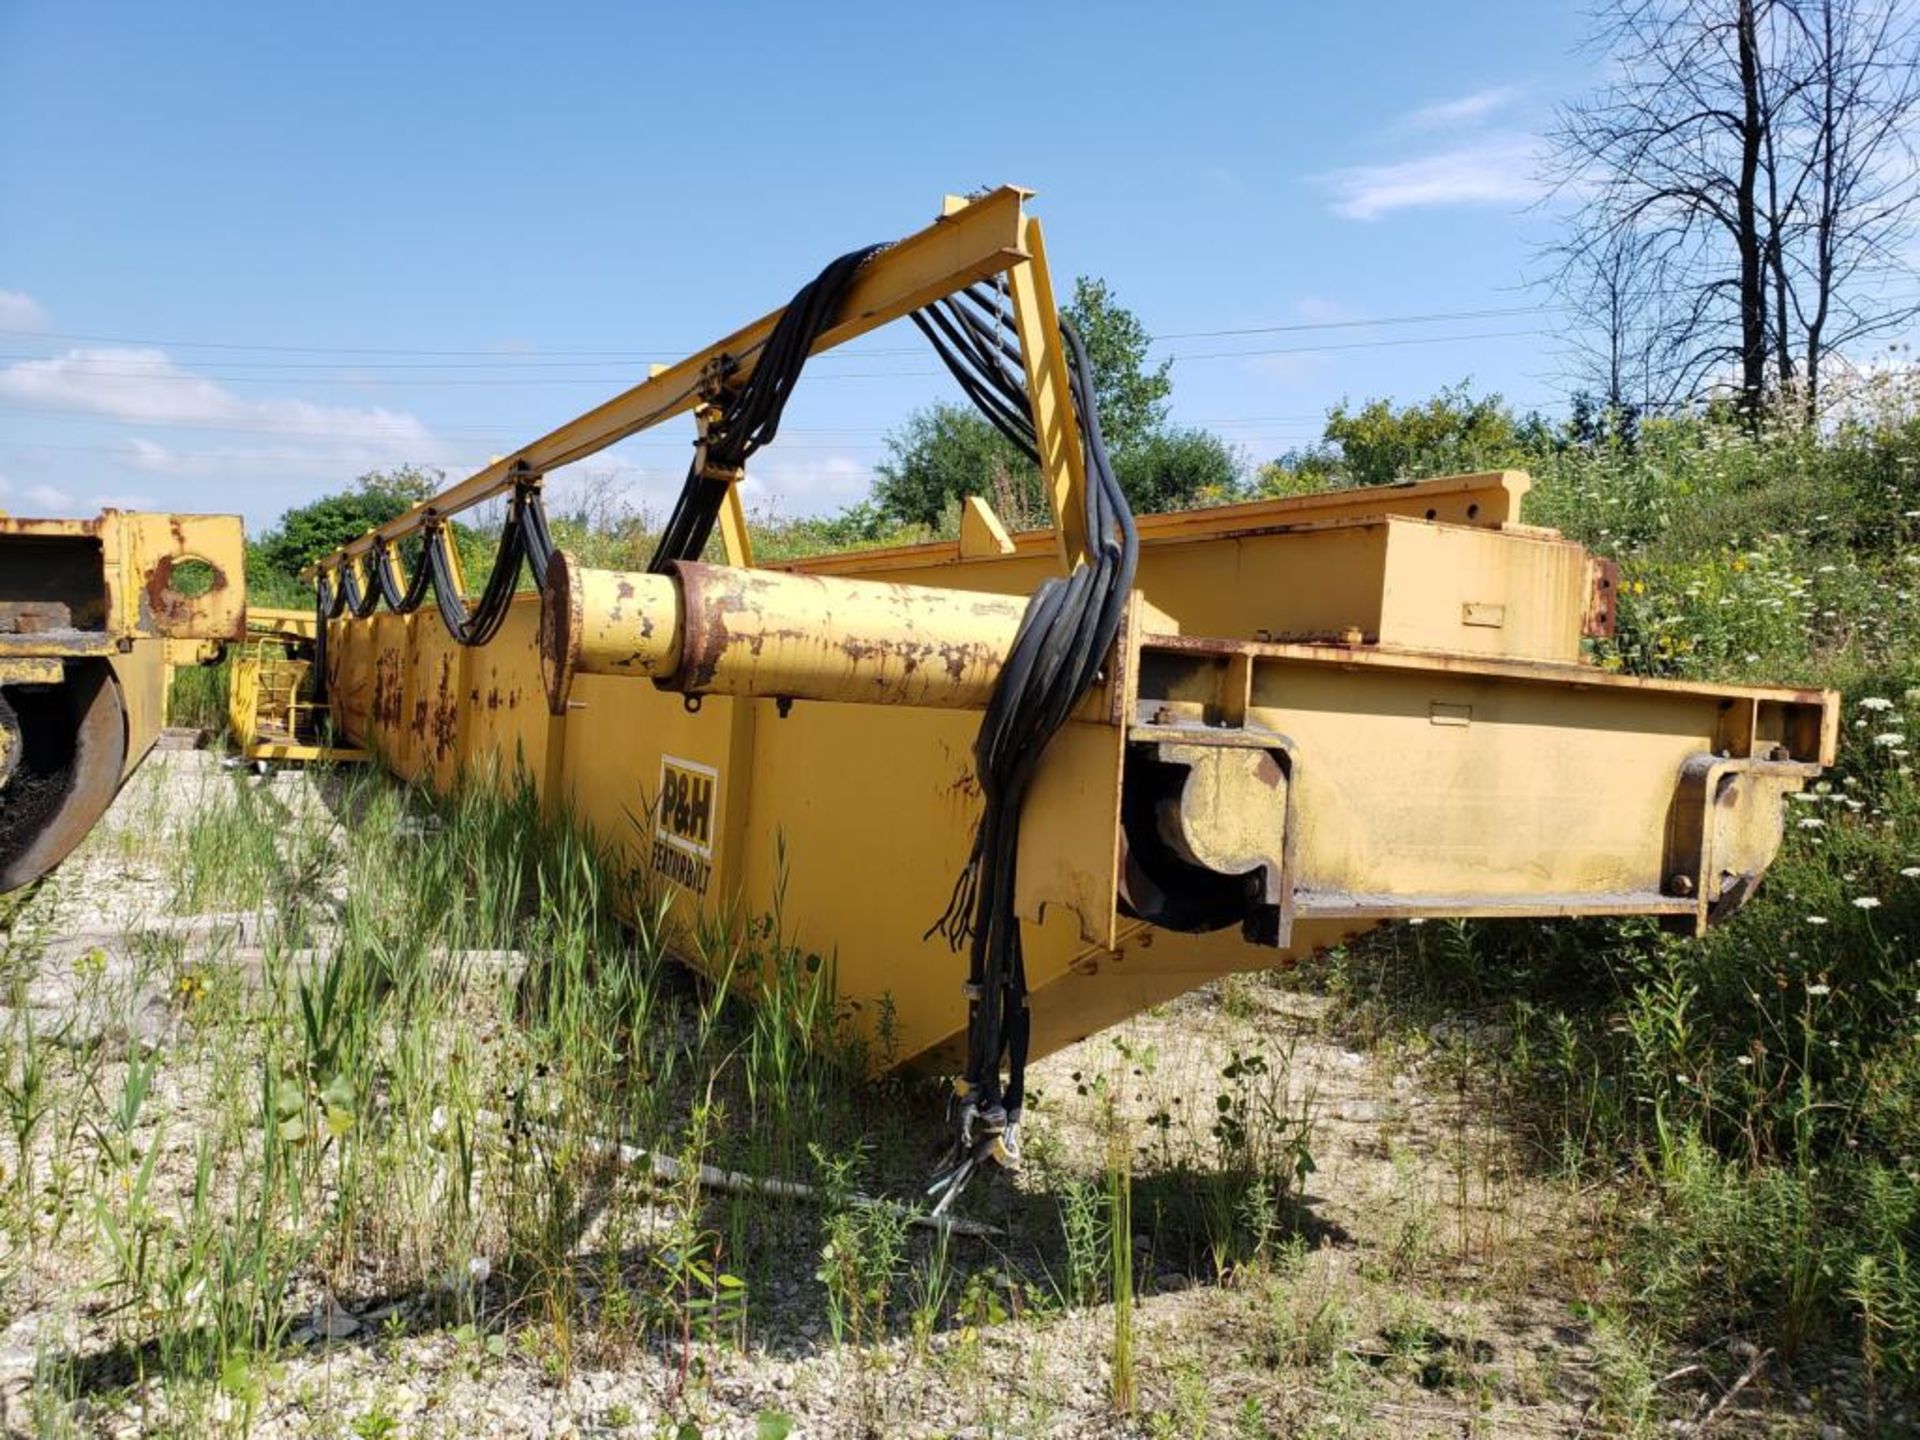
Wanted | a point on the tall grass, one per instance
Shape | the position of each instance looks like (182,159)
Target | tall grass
(197,698)
(1760,1087)
(420,1083)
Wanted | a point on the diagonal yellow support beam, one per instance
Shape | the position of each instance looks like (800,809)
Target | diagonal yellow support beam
(1063,466)
(980,239)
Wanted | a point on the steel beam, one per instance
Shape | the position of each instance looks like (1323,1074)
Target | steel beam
(965,245)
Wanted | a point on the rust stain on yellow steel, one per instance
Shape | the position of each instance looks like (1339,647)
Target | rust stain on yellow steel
(1551,795)
(94,614)
(719,630)
(20,671)
(760,633)
(1325,712)
(606,622)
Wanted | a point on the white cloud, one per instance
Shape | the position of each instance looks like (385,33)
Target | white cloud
(1499,170)
(47,500)
(256,454)
(145,385)
(807,487)
(1463,109)
(20,311)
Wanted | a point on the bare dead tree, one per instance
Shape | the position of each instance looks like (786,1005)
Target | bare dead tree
(1852,214)
(1619,348)
(1750,166)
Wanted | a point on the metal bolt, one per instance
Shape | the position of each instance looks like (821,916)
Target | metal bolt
(1681,884)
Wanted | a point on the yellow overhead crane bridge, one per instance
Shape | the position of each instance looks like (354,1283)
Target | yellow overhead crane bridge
(1022,786)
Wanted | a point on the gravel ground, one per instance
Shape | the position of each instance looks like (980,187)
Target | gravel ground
(1434,1285)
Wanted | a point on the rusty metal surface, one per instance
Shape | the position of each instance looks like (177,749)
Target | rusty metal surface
(123,574)
(722,630)
(1603,598)
(10,741)
(1418,782)
(1436,748)
(757,632)
(73,759)
(93,615)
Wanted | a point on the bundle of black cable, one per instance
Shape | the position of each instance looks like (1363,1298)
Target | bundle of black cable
(524,539)
(1063,643)
(750,416)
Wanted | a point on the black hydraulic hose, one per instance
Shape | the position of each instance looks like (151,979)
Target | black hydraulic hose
(1008,416)
(974,343)
(402,600)
(750,417)
(1064,640)
(359,604)
(524,538)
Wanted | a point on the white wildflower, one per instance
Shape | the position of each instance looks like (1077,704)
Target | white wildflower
(1876,702)
(1866,902)
(1819,989)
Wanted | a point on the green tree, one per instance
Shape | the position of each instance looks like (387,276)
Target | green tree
(944,453)
(1303,470)
(309,531)
(1132,397)
(1453,432)
(1174,469)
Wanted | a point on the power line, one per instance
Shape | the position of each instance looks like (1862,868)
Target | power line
(541,358)
(201,376)
(1433,318)
(128,448)
(640,356)
(669,353)
(197,377)
(1358,345)
(75,414)
(503,359)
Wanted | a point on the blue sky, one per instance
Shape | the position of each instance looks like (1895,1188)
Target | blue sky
(247,250)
